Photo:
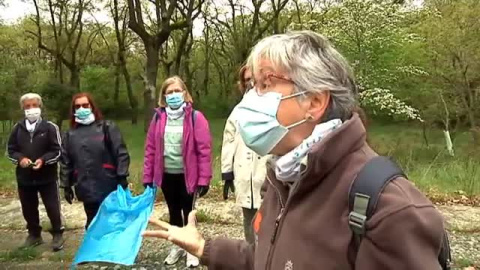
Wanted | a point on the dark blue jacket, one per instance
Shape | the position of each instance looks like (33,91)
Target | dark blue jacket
(94,160)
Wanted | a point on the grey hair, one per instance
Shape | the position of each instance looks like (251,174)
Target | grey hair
(29,96)
(313,64)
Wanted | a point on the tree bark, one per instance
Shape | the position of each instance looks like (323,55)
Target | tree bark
(153,42)
(75,77)
(131,96)
(121,35)
(151,71)
(116,89)
(206,62)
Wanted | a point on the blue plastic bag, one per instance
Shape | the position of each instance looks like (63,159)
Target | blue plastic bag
(115,234)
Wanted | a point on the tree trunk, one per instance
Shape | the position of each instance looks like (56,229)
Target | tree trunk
(189,78)
(131,97)
(59,69)
(206,71)
(116,93)
(75,78)
(150,83)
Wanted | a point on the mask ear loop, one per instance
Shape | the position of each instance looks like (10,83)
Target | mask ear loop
(293,95)
(301,121)
(296,124)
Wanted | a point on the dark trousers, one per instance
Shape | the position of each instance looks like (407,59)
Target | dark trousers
(29,200)
(178,200)
(91,210)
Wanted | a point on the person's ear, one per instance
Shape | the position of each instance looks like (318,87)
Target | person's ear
(318,106)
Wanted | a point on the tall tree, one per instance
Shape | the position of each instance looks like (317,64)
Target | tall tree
(243,27)
(119,14)
(451,32)
(153,36)
(69,48)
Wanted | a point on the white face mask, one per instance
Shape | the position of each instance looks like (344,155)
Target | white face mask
(33,114)
(87,120)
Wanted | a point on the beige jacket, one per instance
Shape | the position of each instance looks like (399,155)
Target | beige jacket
(242,165)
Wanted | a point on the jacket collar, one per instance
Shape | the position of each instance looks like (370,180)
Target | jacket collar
(326,154)
(40,123)
(188,108)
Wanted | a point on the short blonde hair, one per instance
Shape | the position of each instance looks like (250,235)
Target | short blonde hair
(29,96)
(174,79)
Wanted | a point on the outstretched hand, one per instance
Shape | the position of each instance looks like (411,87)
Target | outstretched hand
(187,237)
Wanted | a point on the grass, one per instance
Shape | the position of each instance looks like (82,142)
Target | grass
(430,167)
(464,262)
(19,255)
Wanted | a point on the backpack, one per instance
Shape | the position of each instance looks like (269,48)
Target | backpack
(107,141)
(363,198)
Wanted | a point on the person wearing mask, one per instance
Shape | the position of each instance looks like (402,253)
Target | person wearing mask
(95,158)
(34,146)
(302,112)
(243,171)
(178,156)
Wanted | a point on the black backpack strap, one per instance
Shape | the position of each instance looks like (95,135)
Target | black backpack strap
(194,116)
(157,115)
(366,189)
(445,256)
(107,141)
(363,198)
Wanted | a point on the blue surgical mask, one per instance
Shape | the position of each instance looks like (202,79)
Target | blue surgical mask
(258,124)
(174,100)
(83,113)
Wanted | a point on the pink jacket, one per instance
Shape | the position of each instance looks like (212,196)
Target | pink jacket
(196,145)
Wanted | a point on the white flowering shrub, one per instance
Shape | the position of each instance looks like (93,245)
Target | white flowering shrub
(382,102)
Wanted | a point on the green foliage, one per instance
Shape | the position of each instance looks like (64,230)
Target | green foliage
(57,98)
(21,70)
(450,33)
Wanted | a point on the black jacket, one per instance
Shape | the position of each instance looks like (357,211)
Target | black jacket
(94,160)
(43,143)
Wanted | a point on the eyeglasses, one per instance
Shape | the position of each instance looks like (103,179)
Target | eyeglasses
(269,80)
(84,105)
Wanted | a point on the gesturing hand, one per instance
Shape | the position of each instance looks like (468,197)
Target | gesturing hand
(187,237)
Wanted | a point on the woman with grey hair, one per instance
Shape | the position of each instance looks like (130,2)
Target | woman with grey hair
(302,112)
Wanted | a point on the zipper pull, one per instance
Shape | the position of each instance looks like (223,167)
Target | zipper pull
(277,222)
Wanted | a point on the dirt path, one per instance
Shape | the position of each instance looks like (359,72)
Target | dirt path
(217,218)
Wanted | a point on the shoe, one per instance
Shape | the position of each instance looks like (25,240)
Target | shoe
(175,254)
(57,242)
(192,261)
(32,241)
